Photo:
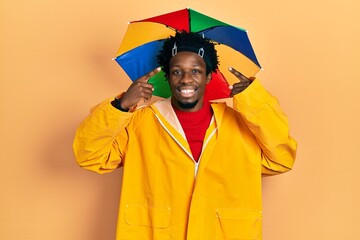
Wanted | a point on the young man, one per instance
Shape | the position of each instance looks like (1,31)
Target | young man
(192,170)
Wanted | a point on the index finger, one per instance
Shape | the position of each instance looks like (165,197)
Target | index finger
(147,76)
(239,75)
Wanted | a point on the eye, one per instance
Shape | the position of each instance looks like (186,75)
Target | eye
(176,72)
(195,71)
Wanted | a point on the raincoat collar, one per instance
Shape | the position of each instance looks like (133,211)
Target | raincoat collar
(169,121)
(165,109)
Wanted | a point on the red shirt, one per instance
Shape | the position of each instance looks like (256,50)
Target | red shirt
(195,125)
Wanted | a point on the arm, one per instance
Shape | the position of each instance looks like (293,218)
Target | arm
(101,139)
(266,120)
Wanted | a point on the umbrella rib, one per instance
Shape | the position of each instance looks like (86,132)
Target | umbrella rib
(189,20)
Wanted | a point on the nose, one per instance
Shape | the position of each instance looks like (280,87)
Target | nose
(186,77)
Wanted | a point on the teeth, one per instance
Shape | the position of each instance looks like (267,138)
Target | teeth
(187,91)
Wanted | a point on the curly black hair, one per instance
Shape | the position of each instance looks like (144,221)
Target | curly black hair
(188,41)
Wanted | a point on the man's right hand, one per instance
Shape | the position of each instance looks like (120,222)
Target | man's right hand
(138,90)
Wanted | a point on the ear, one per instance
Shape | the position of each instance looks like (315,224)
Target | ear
(208,78)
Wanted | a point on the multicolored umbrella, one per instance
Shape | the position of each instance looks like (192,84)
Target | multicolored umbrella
(144,38)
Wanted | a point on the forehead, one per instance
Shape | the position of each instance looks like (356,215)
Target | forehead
(187,58)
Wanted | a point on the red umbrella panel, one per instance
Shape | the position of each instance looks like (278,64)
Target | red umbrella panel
(144,39)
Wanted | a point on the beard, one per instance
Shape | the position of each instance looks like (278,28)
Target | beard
(189,105)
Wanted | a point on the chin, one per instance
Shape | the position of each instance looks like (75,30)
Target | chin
(188,105)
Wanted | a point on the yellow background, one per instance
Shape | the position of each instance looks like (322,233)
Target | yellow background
(56,64)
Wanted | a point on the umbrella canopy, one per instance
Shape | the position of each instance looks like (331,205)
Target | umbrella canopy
(144,39)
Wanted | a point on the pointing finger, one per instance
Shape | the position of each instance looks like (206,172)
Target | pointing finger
(240,76)
(146,77)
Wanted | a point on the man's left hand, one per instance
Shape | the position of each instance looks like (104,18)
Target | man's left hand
(240,86)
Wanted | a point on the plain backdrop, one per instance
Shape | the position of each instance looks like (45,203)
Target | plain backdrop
(56,63)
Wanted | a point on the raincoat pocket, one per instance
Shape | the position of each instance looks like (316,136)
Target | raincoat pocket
(238,223)
(145,215)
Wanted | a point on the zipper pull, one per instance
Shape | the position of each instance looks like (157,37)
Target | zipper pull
(196,168)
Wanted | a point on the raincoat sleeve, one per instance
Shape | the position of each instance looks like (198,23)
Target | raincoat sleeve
(266,120)
(101,137)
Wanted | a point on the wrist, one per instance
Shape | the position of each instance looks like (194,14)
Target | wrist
(117,104)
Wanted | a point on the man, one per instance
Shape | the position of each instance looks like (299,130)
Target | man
(192,170)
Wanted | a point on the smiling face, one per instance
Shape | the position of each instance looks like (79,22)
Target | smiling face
(187,78)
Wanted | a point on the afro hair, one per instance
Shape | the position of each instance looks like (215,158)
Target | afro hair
(192,42)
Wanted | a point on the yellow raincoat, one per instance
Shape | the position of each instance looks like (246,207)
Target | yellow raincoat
(165,193)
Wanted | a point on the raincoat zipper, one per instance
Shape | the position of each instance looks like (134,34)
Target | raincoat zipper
(202,150)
